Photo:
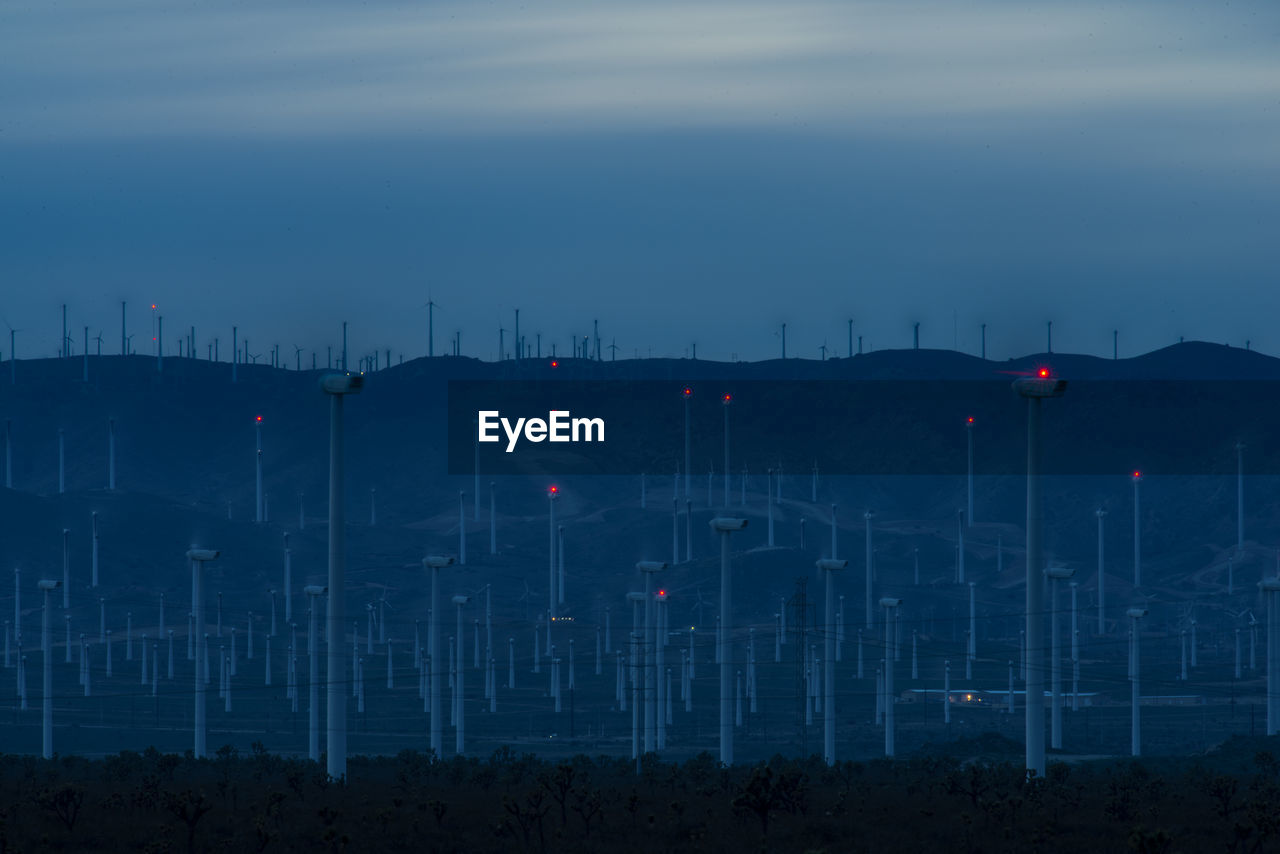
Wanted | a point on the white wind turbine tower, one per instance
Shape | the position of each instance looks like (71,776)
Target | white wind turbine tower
(313,592)
(1135,614)
(62,462)
(686,393)
(47,645)
(288,582)
(1270,590)
(553,492)
(459,697)
(1056,574)
(560,564)
(647,568)
(828,568)
(434,563)
(726,399)
(725,526)
(890,605)
(198,558)
(431,327)
(257,504)
(1035,390)
(337,386)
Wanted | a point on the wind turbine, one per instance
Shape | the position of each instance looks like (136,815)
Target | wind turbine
(698,606)
(431,326)
(297,357)
(528,593)
(13,354)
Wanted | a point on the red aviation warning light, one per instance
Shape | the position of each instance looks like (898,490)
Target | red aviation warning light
(1136,474)
(727,398)
(259,419)
(553,490)
(555,363)
(686,392)
(1043,373)
(970,420)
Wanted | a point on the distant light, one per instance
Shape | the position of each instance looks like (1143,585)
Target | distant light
(553,489)
(968,697)
(554,363)
(259,419)
(1137,473)
(728,397)
(662,593)
(153,306)
(688,392)
(1043,373)
(970,419)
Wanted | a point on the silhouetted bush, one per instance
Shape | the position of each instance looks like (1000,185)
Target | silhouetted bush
(1227,800)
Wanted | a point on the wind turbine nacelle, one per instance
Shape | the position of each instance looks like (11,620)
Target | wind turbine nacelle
(315,590)
(341,383)
(1270,585)
(829,563)
(1059,572)
(651,565)
(437,561)
(1136,613)
(49,585)
(203,554)
(635,597)
(890,602)
(726,523)
(461,600)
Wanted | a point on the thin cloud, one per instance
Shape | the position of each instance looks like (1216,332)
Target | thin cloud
(150,69)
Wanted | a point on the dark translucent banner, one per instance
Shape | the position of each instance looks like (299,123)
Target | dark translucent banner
(860,427)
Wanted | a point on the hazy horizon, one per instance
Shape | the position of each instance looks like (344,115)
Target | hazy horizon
(681,173)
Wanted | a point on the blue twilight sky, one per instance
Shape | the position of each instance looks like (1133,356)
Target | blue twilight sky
(681,171)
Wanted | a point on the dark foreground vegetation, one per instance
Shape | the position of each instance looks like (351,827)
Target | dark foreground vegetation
(1225,800)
